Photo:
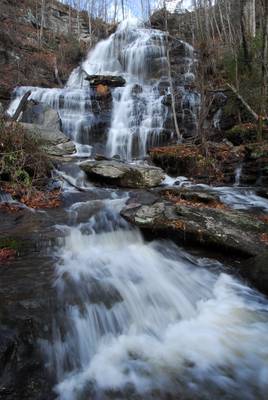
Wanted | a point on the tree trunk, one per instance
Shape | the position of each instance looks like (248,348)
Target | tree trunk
(173,105)
(78,19)
(264,91)
(70,17)
(42,21)
(244,34)
(21,106)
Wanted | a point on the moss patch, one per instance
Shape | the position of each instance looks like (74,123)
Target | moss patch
(244,133)
(10,243)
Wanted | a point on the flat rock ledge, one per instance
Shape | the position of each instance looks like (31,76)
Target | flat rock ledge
(229,231)
(107,80)
(123,175)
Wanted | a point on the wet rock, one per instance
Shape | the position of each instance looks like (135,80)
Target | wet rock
(254,168)
(101,103)
(7,343)
(192,195)
(40,114)
(262,192)
(53,141)
(167,100)
(226,230)
(145,197)
(100,157)
(107,80)
(175,159)
(256,271)
(163,87)
(137,89)
(23,374)
(121,174)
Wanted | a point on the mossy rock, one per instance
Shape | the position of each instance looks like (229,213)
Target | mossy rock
(241,134)
(245,133)
(10,243)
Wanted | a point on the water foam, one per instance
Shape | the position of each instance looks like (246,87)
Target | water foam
(150,320)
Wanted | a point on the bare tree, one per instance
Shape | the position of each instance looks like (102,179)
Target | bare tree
(42,21)
(78,18)
(173,103)
(264,66)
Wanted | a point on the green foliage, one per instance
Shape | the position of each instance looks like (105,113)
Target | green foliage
(10,243)
(229,66)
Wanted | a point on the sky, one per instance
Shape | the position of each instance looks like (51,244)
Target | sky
(133,7)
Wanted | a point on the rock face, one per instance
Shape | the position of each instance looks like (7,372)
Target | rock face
(256,270)
(43,123)
(220,166)
(191,161)
(40,114)
(226,230)
(53,141)
(255,164)
(123,175)
(62,26)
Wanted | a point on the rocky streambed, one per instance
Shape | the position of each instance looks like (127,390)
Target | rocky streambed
(195,217)
(137,285)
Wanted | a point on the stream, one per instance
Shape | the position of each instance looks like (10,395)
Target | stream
(118,316)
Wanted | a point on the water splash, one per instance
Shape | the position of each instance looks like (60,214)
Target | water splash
(149,320)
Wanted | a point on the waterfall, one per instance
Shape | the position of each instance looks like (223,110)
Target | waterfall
(139,55)
(139,115)
(138,110)
(150,321)
(5,197)
(134,319)
(73,105)
(238,172)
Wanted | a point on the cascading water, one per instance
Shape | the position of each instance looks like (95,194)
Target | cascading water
(138,113)
(139,55)
(149,321)
(139,320)
(190,99)
(72,104)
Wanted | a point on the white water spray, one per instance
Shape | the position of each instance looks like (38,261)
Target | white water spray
(139,55)
(150,321)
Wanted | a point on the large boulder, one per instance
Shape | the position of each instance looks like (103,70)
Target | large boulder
(53,141)
(216,228)
(121,174)
(40,114)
